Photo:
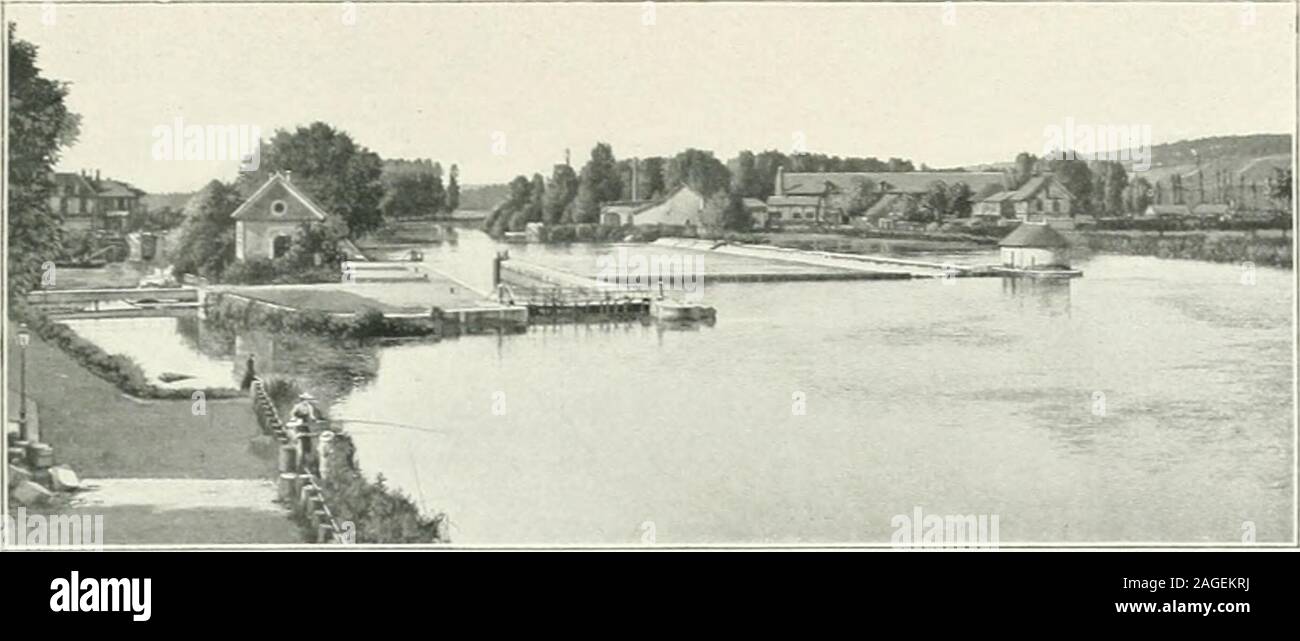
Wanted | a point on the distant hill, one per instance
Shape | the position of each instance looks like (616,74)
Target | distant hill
(1255,154)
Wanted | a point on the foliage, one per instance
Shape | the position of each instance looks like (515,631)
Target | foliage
(560,192)
(40,125)
(698,170)
(207,237)
(453,189)
(341,176)
(598,183)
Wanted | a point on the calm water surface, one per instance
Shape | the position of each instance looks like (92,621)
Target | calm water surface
(1150,401)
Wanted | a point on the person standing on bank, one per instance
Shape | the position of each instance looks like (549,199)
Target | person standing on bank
(250,372)
(301,418)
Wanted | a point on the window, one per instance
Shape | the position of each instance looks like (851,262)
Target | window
(279,207)
(1056,206)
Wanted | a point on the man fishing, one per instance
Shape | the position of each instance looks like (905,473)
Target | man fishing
(302,416)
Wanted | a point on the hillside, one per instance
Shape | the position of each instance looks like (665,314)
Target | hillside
(1250,157)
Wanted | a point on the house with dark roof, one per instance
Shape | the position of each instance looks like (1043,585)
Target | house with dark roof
(1033,245)
(833,191)
(89,202)
(266,221)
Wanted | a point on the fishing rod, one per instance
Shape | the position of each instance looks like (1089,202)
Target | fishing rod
(418,428)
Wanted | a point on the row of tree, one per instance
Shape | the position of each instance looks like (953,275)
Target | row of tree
(576,197)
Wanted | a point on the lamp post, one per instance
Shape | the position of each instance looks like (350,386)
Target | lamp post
(24,337)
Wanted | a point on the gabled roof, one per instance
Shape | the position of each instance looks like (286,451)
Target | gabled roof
(1034,235)
(118,189)
(70,178)
(882,206)
(909,182)
(1037,184)
(278,184)
(998,197)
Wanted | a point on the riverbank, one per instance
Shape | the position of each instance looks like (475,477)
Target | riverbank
(118,445)
(1262,248)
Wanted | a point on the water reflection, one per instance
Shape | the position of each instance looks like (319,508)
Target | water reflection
(1050,297)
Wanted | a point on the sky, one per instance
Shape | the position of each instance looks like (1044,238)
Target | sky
(504,89)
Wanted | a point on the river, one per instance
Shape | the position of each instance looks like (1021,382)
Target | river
(1150,401)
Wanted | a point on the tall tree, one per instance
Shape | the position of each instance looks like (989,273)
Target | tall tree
(1114,183)
(935,200)
(699,170)
(206,243)
(745,179)
(536,199)
(340,175)
(598,183)
(1142,195)
(559,194)
(453,189)
(961,200)
(1074,174)
(40,126)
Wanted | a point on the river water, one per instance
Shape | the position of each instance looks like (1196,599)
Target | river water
(1150,401)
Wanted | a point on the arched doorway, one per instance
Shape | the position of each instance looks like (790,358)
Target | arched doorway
(280,245)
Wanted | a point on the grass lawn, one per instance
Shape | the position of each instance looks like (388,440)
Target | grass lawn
(325,300)
(102,433)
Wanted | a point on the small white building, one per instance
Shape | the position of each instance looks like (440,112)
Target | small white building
(1035,245)
(266,222)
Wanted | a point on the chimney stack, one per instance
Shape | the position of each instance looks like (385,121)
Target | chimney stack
(288,176)
(780,181)
(96,175)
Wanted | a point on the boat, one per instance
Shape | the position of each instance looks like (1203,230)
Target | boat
(669,310)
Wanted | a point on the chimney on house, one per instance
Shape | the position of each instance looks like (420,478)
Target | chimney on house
(96,175)
(288,175)
(780,181)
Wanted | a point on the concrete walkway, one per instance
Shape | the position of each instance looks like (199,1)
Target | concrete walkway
(185,511)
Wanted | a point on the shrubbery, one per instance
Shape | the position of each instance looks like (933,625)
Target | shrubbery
(239,312)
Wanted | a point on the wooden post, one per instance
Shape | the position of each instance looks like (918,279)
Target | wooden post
(305,495)
(286,486)
(325,533)
(288,459)
(323,454)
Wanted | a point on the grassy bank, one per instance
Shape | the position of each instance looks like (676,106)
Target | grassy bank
(1273,249)
(118,369)
(370,511)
